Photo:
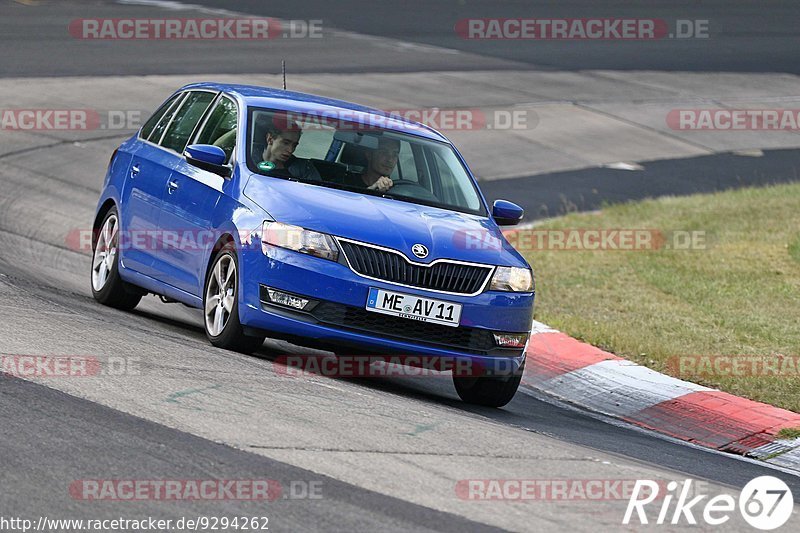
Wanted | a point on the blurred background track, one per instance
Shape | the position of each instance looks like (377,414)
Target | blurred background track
(595,109)
(593,114)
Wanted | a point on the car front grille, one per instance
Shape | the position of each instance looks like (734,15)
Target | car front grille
(473,340)
(446,276)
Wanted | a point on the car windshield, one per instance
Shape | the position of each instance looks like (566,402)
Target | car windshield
(358,157)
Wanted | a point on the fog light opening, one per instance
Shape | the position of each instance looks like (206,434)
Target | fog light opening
(510,340)
(287,300)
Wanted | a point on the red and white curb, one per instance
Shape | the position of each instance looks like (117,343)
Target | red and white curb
(588,377)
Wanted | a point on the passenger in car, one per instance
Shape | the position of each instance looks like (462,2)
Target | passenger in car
(227,142)
(278,154)
(380,165)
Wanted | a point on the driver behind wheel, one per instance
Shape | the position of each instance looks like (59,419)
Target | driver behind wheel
(380,165)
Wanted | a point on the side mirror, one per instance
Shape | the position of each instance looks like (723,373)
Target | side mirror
(507,213)
(208,157)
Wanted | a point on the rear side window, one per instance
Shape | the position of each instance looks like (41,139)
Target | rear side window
(185,120)
(150,125)
(220,128)
(162,124)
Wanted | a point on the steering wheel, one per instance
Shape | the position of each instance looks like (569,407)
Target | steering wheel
(412,189)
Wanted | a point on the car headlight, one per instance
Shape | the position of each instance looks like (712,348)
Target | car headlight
(298,239)
(512,279)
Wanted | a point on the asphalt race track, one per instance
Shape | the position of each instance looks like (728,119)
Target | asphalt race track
(387,454)
(743,37)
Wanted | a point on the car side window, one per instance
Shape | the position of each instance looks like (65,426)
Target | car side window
(185,120)
(220,128)
(164,121)
(406,166)
(150,125)
(451,187)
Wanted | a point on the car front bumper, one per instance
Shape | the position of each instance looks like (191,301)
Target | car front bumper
(337,317)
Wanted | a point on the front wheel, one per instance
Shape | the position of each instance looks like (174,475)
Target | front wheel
(107,286)
(221,305)
(488,391)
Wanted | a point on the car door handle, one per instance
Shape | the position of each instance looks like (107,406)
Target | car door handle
(172,186)
(135,170)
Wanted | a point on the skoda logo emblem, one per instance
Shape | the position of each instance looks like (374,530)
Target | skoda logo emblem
(420,251)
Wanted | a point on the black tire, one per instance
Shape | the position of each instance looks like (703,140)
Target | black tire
(113,292)
(488,391)
(232,336)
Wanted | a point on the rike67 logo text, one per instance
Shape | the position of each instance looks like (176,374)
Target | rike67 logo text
(765,503)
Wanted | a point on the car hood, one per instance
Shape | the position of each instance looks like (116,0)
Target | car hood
(385,222)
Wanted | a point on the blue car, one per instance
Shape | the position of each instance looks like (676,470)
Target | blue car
(318,221)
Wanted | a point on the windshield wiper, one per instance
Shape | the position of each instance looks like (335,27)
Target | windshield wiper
(332,185)
(287,178)
(399,198)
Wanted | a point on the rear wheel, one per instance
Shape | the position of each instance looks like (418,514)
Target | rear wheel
(107,286)
(488,391)
(221,305)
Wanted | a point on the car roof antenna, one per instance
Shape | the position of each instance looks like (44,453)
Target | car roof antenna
(283,69)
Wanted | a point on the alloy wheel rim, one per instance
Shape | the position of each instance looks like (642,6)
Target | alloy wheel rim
(220,295)
(105,253)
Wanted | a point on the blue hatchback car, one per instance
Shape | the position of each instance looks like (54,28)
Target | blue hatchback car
(318,221)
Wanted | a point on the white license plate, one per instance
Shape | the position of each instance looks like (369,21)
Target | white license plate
(413,307)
